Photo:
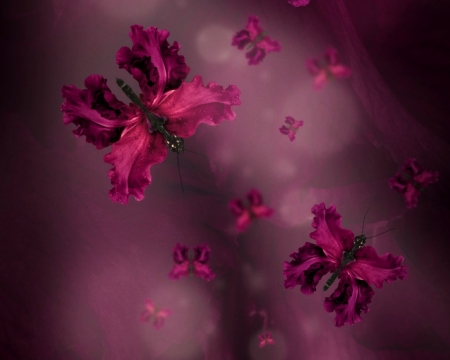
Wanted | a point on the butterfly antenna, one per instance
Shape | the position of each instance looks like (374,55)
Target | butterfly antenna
(381,233)
(179,173)
(220,169)
(364,219)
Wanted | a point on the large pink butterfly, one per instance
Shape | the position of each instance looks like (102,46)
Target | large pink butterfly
(154,314)
(246,214)
(168,110)
(338,251)
(256,41)
(332,69)
(411,180)
(191,265)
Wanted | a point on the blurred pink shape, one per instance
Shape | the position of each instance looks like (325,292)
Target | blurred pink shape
(333,69)
(154,314)
(411,180)
(265,339)
(255,210)
(298,3)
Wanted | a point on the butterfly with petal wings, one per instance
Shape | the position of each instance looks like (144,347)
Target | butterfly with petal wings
(186,265)
(338,251)
(255,39)
(168,110)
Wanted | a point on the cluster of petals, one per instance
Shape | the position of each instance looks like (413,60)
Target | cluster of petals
(291,128)
(332,69)
(313,261)
(256,40)
(411,180)
(154,314)
(265,339)
(197,265)
(246,214)
(298,3)
(106,121)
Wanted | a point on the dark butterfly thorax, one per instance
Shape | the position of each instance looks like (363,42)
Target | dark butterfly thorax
(348,257)
(156,123)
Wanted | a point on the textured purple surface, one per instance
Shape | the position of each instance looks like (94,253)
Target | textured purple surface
(76,268)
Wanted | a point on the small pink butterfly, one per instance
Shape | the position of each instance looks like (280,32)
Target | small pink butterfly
(411,180)
(298,3)
(257,41)
(265,339)
(255,210)
(292,127)
(191,265)
(333,69)
(154,314)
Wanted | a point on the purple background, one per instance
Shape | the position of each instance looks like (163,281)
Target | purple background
(76,268)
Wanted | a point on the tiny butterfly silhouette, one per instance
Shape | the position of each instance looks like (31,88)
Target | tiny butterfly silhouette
(338,251)
(411,180)
(154,314)
(256,41)
(333,69)
(191,265)
(265,339)
(255,210)
(292,127)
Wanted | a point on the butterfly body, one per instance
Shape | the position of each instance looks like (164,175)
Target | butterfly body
(348,257)
(173,142)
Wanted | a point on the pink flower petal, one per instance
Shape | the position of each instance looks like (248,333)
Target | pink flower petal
(236,207)
(351,297)
(331,56)
(203,271)
(339,71)
(160,317)
(193,103)
(202,253)
(180,254)
(306,269)
(132,156)
(313,66)
(241,39)
(152,62)
(253,27)
(329,234)
(255,55)
(96,112)
(243,221)
(269,45)
(375,269)
(180,270)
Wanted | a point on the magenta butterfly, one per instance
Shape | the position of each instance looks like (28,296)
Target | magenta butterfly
(265,339)
(256,41)
(411,180)
(154,314)
(246,214)
(333,69)
(168,110)
(291,128)
(186,264)
(338,251)
(298,3)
